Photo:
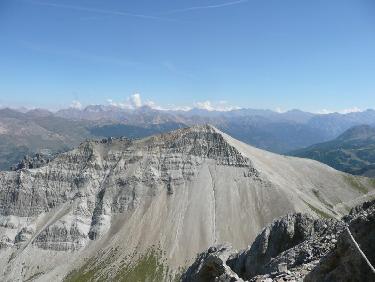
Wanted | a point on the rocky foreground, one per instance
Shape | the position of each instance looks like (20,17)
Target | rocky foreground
(297,247)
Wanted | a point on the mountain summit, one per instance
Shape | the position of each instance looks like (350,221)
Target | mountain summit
(120,208)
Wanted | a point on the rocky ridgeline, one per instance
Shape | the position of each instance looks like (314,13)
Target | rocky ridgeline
(91,180)
(202,141)
(344,263)
(35,161)
(296,247)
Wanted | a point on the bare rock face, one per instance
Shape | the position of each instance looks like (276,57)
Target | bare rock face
(284,247)
(211,265)
(344,263)
(165,197)
(298,247)
(281,235)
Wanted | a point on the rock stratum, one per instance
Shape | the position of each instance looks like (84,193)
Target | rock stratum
(140,210)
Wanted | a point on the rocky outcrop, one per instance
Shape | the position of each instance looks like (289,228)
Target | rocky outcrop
(344,262)
(278,244)
(35,161)
(298,247)
(212,266)
(282,248)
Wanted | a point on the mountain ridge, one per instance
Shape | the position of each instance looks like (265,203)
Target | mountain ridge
(352,152)
(358,132)
(65,129)
(163,198)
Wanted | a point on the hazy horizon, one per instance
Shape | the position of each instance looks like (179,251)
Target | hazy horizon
(135,102)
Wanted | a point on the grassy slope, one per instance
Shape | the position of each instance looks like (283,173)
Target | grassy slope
(147,267)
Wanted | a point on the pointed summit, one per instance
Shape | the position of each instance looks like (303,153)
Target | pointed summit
(202,141)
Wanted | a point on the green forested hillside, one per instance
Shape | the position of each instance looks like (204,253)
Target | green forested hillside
(352,152)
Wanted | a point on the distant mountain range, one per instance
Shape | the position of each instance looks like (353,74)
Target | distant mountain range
(352,152)
(266,129)
(41,131)
(35,131)
(27,132)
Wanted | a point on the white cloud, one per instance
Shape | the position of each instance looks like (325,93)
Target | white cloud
(151,104)
(324,112)
(206,105)
(222,106)
(350,110)
(130,103)
(280,110)
(135,100)
(169,107)
(118,104)
(76,105)
(344,111)
(180,108)
(155,106)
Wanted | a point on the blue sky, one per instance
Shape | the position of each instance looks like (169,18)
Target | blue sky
(275,54)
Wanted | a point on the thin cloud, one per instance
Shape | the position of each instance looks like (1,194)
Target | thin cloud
(101,11)
(343,112)
(221,106)
(222,5)
(76,105)
(130,103)
(135,102)
(351,110)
